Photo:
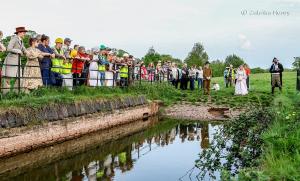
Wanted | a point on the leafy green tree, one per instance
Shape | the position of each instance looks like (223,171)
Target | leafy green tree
(258,70)
(296,63)
(218,68)
(165,58)
(177,61)
(121,52)
(234,60)
(197,56)
(151,56)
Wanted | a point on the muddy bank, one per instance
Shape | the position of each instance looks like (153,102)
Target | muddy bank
(188,111)
(26,139)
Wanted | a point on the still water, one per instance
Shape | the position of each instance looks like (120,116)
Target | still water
(146,150)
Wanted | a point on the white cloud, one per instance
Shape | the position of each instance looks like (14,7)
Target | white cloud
(245,44)
(171,26)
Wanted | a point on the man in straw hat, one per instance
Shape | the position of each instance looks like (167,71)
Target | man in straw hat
(10,69)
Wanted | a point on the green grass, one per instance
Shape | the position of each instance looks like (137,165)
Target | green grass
(258,96)
(281,150)
(281,160)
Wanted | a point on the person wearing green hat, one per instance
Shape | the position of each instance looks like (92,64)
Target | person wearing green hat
(102,47)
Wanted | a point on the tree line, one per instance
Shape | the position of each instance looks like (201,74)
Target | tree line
(198,56)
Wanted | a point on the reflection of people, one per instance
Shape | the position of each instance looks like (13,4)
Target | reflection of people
(91,170)
(77,175)
(108,166)
(204,137)
(276,73)
(191,132)
(183,132)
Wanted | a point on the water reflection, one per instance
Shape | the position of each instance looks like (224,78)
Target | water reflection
(134,157)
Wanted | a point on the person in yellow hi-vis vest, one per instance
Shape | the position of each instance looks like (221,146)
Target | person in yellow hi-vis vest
(124,75)
(57,63)
(102,65)
(66,71)
(230,76)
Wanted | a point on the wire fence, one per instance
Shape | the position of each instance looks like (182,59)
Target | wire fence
(111,77)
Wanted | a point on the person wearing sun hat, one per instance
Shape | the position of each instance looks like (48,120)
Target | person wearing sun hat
(16,49)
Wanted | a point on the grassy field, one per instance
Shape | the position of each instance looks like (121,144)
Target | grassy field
(259,94)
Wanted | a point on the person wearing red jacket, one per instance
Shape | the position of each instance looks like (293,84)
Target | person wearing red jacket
(248,72)
(78,67)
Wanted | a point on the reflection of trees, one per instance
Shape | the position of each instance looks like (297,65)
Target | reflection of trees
(101,163)
(144,145)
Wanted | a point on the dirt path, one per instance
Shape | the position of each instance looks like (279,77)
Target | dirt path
(200,111)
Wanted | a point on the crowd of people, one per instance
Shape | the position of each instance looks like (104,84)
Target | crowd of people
(183,77)
(66,66)
(62,65)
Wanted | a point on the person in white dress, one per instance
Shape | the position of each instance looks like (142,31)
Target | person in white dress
(241,85)
(94,79)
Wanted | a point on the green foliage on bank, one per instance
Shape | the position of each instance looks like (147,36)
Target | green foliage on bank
(265,142)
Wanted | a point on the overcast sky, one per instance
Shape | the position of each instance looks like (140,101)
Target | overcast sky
(171,26)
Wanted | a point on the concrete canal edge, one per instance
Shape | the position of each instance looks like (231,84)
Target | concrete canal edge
(65,122)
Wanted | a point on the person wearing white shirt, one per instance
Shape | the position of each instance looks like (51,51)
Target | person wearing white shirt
(200,77)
